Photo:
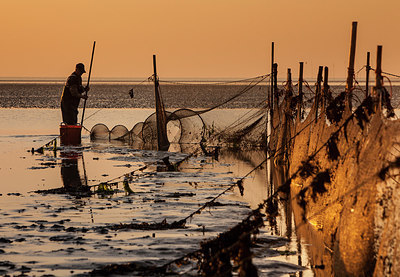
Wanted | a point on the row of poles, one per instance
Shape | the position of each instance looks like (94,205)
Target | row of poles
(322,91)
(273,98)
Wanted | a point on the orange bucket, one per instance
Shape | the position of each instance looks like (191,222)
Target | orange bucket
(70,134)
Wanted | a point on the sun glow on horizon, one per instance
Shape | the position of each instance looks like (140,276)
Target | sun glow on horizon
(192,39)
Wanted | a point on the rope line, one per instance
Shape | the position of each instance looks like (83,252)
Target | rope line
(279,189)
(238,183)
(286,184)
(391,74)
(216,82)
(145,80)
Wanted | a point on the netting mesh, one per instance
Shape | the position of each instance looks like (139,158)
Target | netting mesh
(186,125)
(119,132)
(100,132)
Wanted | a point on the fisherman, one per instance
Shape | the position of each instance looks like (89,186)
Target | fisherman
(72,93)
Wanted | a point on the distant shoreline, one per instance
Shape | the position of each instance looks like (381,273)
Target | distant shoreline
(145,81)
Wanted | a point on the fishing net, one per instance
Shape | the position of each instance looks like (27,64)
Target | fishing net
(137,131)
(119,132)
(194,125)
(100,132)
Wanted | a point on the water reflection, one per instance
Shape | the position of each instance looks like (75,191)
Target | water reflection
(310,247)
(319,255)
(286,213)
(71,178)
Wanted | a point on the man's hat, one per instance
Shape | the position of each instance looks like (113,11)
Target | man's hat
(81,67)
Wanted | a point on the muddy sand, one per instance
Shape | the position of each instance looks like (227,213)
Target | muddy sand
(69,233)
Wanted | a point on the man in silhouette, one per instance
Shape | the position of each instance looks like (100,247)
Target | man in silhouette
(72,93)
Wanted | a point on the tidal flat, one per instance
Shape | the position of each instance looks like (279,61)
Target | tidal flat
(64,234)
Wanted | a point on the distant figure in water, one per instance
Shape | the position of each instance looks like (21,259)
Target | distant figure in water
(72,93)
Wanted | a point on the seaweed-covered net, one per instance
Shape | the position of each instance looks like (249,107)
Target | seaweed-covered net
(191,125)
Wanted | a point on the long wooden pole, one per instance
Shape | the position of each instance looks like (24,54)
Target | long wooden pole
(289,76)
(378,80)
(271,101)
(88,81)
(300,103)
(162,139)
(276,94)
(325,90)
(155,71)
(318,91)
(157,104)
(368,68)
(272,77)
(271,118)
(350,69)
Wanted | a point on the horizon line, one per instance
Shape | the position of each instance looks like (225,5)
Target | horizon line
(146,79)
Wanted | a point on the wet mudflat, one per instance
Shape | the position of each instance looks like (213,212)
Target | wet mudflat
(67,234)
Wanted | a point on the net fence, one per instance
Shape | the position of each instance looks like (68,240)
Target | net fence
(193,125)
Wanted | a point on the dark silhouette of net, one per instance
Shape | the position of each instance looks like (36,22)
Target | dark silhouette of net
(187,126)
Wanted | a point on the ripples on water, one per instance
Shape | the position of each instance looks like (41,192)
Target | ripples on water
(39,232)
(64,235)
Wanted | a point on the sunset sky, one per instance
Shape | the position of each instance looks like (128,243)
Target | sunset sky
(193,38)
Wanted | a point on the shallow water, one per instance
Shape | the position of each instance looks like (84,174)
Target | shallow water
(63,235)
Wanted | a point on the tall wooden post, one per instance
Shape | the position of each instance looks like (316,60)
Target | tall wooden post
(272,76)
(271,97)
(162,137)
(285,122)
(325,90)
(275,100)
(269,122)
(157,102)
(271,94)
(367,69)
(155,80)
(289,80)
(276,94)
(378,80)
(318,91)
(350,69)
(300,102)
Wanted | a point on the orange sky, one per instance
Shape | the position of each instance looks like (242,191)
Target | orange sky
(193,38)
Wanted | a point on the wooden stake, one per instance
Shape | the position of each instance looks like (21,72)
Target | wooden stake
(271,112)
(376,91)
(155,75)
(157,103)
(378,71)
(325,90)
(272,76)
(300,103)
(289,80)
(276,96)
(271,92)
(350,69)
(162,139)
(318,91)
(367,69)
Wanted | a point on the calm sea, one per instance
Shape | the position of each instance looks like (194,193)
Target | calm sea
(175,95)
